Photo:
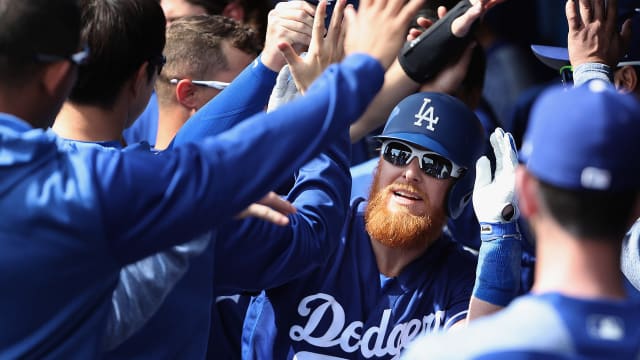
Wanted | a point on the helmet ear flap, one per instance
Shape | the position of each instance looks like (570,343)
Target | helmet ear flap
(460,194)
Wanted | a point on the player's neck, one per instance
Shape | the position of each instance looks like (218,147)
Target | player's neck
(170,120)
(582,269)
(391,261)
(88,123)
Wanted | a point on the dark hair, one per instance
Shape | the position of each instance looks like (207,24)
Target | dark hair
(255,11)
(122,35)
(194,47)
(589,213)
(30,27)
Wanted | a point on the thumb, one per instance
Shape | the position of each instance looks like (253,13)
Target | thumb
(289,54)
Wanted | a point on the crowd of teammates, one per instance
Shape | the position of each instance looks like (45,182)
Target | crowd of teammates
(195,179)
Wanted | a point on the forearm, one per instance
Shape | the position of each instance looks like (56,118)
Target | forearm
(397,86)
(272,256)
(213,170)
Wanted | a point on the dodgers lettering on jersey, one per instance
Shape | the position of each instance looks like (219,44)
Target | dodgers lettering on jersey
(376,341)
(348,310)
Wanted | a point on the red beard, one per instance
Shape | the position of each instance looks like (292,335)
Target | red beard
(401,229)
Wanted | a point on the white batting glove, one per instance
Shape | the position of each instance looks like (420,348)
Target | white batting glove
(494,201)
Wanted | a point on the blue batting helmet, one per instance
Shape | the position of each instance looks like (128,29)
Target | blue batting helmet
(443,124)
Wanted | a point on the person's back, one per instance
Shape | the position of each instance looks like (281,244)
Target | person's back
(578,186)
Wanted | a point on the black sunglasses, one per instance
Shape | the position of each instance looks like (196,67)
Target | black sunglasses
(433,164)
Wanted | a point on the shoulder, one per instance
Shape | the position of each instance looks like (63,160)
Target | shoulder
(527,325)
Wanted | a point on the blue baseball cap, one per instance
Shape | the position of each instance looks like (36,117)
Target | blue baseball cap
(584,138)
(438,122)
(557,57)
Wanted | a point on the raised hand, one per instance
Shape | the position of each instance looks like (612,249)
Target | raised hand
(492,196)
(322,51)
(593,34)
(289,22)
(379,28)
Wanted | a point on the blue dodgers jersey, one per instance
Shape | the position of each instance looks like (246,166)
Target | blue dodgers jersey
(546,326)
(348,310)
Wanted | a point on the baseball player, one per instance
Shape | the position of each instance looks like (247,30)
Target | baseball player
(394,274)
(579,188)
(71,220)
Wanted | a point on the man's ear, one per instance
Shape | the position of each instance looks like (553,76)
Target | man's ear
(186,94)
(626,79)
(234,10)
(55,76)
(140,79)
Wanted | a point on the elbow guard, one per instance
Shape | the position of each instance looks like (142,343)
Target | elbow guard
(422,58)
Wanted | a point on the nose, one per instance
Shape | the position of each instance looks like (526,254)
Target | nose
(412,171)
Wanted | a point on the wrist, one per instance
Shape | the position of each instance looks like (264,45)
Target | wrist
(274,62)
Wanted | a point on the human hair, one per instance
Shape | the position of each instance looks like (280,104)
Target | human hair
(195,48)
(591,214)
(30,27)
(255,11)
(122,35)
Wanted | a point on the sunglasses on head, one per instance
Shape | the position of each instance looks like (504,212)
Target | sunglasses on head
(433,164)
(220,85)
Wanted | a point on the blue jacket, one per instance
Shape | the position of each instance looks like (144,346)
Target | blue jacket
(71,220)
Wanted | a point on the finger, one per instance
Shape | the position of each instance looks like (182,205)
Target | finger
(483,173)
(266,213)
(409,11)
(424,22)
(277,203)
(413,34)
(512,149)
(598,10)
(317,36)
(585,10)
(349,18)
(339,54)
(612,16)
(301,6)
(572,15)
(290,55)
(336,20)
(442,11)
(495,140)
(461,26)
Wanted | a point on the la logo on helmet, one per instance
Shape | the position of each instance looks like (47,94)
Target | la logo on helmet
(426,114)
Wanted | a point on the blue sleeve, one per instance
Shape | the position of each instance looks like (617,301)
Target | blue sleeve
(144,285)
(189,190)
(254,254)
(247,95)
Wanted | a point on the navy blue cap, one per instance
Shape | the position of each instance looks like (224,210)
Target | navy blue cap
(557,57)
(584,138)
(438,122)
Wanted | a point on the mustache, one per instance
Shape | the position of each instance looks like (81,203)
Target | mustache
(390,189)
